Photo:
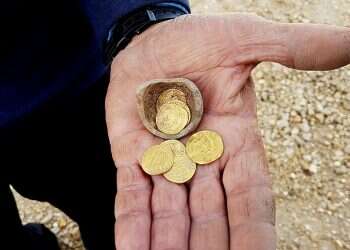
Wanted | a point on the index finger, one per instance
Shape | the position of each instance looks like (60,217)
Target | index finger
(133,201)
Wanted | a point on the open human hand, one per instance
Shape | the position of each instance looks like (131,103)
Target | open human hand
(229,203)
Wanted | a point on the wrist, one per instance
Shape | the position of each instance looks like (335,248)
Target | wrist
(123,31)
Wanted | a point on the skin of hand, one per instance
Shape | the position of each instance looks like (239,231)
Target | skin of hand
(229,203)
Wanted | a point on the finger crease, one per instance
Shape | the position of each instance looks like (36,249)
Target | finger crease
(165,214)
(207,218)
(127,164)
(135,187)
(249,223)
(133,213)
(240,191)
(199,180)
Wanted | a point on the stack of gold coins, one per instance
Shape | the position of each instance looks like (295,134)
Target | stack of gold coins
(177,162)
(173,113)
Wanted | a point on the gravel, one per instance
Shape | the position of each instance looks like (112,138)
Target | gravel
(304,118)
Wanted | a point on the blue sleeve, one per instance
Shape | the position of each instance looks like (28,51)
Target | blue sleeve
(50,49)
(119,8)
(127,6)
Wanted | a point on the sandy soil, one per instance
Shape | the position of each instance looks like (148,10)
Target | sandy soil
(304,118)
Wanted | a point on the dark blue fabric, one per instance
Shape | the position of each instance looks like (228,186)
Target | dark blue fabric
(54,47)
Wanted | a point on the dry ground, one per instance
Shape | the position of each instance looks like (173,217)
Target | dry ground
(304,118)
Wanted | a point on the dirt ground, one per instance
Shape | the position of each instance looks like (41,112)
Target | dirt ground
(305,121)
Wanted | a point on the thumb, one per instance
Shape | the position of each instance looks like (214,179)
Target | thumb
(299,46)
(194,43)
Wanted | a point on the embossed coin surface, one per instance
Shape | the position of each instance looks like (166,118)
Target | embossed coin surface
(170,95)
(204,147)
(183,169)
(182,105)
(176,146)
(157,159)
(171,118)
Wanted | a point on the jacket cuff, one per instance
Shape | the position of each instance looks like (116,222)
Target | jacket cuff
(137,21)
(185,8)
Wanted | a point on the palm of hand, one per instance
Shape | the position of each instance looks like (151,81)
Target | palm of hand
(228,204)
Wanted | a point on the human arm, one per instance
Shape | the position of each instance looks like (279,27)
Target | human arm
(229,203)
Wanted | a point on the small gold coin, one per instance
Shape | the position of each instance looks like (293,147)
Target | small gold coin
(176,146)
(183,169)
(183,105)
(171,118)
(157,159)
(170,95)
(205,147)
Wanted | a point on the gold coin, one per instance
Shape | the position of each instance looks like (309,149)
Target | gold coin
(182,170)
(205,147)
(157,159)
(176,146)
(169,95)
(183,105)
(171,118)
